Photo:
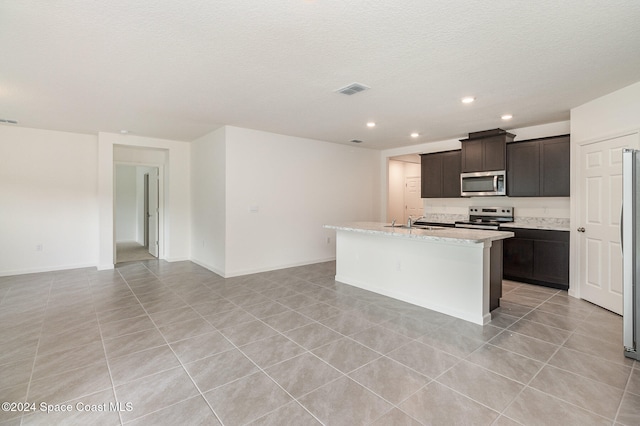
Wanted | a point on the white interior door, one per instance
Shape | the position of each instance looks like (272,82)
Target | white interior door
(600,254)
(413,205)
(153,210)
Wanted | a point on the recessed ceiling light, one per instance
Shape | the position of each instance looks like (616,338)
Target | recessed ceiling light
(415,135)
(468,99)
(507,117)
(371,124)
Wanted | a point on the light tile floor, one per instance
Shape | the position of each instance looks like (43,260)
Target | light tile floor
(173,343)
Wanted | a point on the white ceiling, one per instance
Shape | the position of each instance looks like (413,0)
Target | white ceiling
(180,69)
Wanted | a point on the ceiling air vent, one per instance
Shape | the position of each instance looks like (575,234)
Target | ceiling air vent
(355,141)
(352,89)
(4,120)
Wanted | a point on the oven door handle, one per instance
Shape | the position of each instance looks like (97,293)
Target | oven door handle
(483,227)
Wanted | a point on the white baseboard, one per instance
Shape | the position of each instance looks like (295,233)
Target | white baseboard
(209,267)
(46,269)
(275,268)
(176,259)
(242,272)
(110,266)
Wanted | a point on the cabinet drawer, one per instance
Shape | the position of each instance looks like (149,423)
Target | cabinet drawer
(539,234)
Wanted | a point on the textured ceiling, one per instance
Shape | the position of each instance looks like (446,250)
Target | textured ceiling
(178,70)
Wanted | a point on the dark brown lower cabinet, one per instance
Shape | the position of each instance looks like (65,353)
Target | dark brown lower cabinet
(537,257)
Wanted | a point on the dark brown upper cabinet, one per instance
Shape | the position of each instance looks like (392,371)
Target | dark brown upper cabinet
(539,167)
(485,151)
(441,174)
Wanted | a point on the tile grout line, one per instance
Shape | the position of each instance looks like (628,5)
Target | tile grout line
(533,377)
(35,356)
(373,324)
(240,350)
(308,351)
(106,358)
(383,356)
(172,350)
(260,369)
(526,385)
(624,393)
(74,369)
(545,364)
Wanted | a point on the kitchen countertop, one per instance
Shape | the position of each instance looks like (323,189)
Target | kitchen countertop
(450,235)
(544,223)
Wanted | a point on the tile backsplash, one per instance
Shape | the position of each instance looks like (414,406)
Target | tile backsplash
(534,207)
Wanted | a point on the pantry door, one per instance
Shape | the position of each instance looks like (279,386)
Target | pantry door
(598,228)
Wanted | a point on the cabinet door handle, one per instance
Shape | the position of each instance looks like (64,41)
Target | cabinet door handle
(581,229)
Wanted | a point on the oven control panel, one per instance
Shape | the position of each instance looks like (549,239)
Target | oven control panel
(491,211)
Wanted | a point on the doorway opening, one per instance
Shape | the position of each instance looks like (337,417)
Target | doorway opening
(403,196)
(137,213)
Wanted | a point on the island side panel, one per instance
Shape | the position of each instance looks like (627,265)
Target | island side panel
(496,275)
(446,277)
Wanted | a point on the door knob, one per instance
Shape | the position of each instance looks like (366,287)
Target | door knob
(581,229)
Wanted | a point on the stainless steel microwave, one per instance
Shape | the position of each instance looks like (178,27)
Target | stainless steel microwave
(482,184)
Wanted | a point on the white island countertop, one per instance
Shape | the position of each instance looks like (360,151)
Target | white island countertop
(444,234)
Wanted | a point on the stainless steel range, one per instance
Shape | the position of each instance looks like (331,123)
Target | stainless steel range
(487,218)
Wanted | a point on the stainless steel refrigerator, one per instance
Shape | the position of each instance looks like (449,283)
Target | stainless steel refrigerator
(630,231)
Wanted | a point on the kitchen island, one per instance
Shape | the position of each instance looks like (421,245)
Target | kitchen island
(454,271)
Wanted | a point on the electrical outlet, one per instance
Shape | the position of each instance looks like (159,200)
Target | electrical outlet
(328,240)
(39,247)
(398,265)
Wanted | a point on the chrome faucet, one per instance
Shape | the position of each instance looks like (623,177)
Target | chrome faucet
(393,223)
(411,221)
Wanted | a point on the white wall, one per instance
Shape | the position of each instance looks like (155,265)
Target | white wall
(552,207)
(176,184)
(126,203)
(57,190)
(208,202)
(280,190)
(395,204)
(610,115)
(48,198)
